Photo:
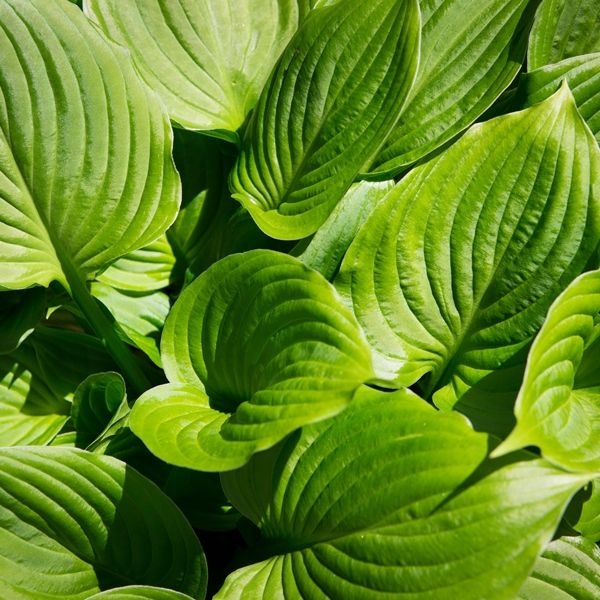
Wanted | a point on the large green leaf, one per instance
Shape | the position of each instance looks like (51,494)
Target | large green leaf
(583,76)
(568,569)
(255,347)
(73,524)
(325,112)
(207,59)
(386,501)
(85,168)
(562,29)
(470,52)
(558,408)
(454,271)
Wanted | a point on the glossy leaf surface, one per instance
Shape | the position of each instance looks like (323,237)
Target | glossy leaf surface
(325,112)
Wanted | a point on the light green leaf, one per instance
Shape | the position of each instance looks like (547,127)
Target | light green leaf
(583,514)
(325,112)
(145,270)
(134,592)
(73,525)
(207,59)
(582,73)
(389,500)
(255,347)
(20,312)
(562,29)
(558,408)
(568,569)
(98,399)
(140,316)
(470,52)
(85,168)
(327,247)
(454,271)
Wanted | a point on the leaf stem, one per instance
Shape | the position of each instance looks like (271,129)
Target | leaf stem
(105,329)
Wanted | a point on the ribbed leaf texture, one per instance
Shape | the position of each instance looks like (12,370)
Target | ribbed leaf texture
(470,53)
(331,100)
(562,29)
(454,271)
(255,347)
(568,569)
(85,168)
(386,500)
(207,59)
(558,408)
(73,525)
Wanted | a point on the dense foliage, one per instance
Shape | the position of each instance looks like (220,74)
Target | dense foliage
(300,299)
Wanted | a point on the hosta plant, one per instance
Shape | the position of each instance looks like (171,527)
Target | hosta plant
(300,299)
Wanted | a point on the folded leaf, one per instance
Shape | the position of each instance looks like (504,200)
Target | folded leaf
(582,73)
(558,408)
(562,29)
(569,568)
(207,59)
(325,112)
(85,168)
(255,347)
(454,271)
(73,525)
(470,52)
(385,500)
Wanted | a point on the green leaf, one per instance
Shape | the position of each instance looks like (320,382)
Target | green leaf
(207,59)
(386,500)
(255,347)
(582,73)
(583,514)
(558,408)
(569,568)
(73,525)
(562,29)
(140,316)
(98,399)
(132,592)
(145,270)
(20,312)
(327,247)
(470,53)
(325,112)
(454,271)
(85,168)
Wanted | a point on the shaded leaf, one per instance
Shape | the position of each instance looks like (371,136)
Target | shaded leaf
(73,525)
(583,513)
(20,312)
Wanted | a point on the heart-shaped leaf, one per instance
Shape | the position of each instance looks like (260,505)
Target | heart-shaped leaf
(325,112)
(470,52)
(569,568)
(207,59)
(562,29)
(255,347)
(558,408)
(386,500)
(454,271)
(73,525)
(85,168)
